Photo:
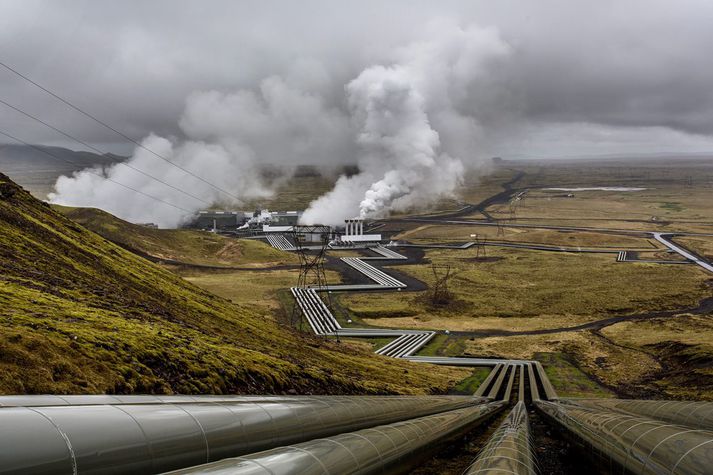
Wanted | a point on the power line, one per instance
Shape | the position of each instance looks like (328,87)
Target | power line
(121,134)
(26,114)
(93,173)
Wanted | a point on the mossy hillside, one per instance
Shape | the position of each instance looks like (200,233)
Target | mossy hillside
(82,315)
(184,245)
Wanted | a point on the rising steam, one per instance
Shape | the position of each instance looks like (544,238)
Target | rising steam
(411,125)
(412,136)
(229,136)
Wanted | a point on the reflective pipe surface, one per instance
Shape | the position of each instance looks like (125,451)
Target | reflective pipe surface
(633,444)
(393,448)
(498,382)
(521,384)
(511,380)
(696,414)
(534,392)
(102,399)
(486,382)
(550,392)
(148,438)
(509,449)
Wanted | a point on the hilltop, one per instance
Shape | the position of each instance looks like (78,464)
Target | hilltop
(37,167)
(80,314)
(182,245)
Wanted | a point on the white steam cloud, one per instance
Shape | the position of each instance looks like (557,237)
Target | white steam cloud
(229,136)
(412,136)
(412,126)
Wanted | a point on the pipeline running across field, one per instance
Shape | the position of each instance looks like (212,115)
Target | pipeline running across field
(671,448)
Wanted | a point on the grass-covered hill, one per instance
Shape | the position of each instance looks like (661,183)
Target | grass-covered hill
(188,246)
(79,314)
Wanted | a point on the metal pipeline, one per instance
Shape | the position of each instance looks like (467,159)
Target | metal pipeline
(139,437)
(508,450)
(498,382)
(638,445)
(534,392)
(521,385)
(103,399)
(393,448)
(696,414)
(508,388)
(486,382)
(550,392)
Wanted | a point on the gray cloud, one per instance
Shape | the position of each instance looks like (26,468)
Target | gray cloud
(628,64)
(224,86)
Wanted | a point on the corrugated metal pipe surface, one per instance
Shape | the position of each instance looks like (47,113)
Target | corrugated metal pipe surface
(638,445)
(393,448)
(148,437)
(696,414)
(508,450)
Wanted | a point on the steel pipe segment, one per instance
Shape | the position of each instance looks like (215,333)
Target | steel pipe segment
(509,449)
(104,399)
(521,384)
(392,448)
(534,392)
(550,392)
(696,414)
(638,445)
(498,382)
(508,387)
(486,382)
(148,437)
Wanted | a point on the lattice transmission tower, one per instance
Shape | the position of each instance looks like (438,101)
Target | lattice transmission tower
(441,294)
(312,257)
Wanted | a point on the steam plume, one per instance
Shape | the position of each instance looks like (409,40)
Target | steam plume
(408,126)
(412,126)
(228,137)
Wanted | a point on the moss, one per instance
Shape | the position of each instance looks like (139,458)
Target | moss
(469,385)
(182,245)
(567,379)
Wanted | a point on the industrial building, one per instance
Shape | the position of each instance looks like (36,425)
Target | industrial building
(232,220)
(215,219)
(354,232)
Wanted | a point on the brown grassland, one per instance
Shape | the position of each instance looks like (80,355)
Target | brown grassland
(498,303)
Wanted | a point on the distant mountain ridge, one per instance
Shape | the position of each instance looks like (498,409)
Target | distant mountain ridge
(38,171)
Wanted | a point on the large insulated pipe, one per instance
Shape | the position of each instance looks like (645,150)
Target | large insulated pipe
(393,448)
(154,437)
(102,399)
(696,414)
(638,445)
(480,392)
(498,383)
(550,392)
(508,388)
(534,392)
(508,450)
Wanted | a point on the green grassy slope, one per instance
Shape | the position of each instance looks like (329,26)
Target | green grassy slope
(191,247)
(79,314)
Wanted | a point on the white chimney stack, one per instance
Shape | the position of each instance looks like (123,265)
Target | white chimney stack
(354,227)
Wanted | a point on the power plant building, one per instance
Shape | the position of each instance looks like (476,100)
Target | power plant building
(354,232)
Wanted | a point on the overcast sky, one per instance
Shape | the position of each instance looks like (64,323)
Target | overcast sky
(578,78)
